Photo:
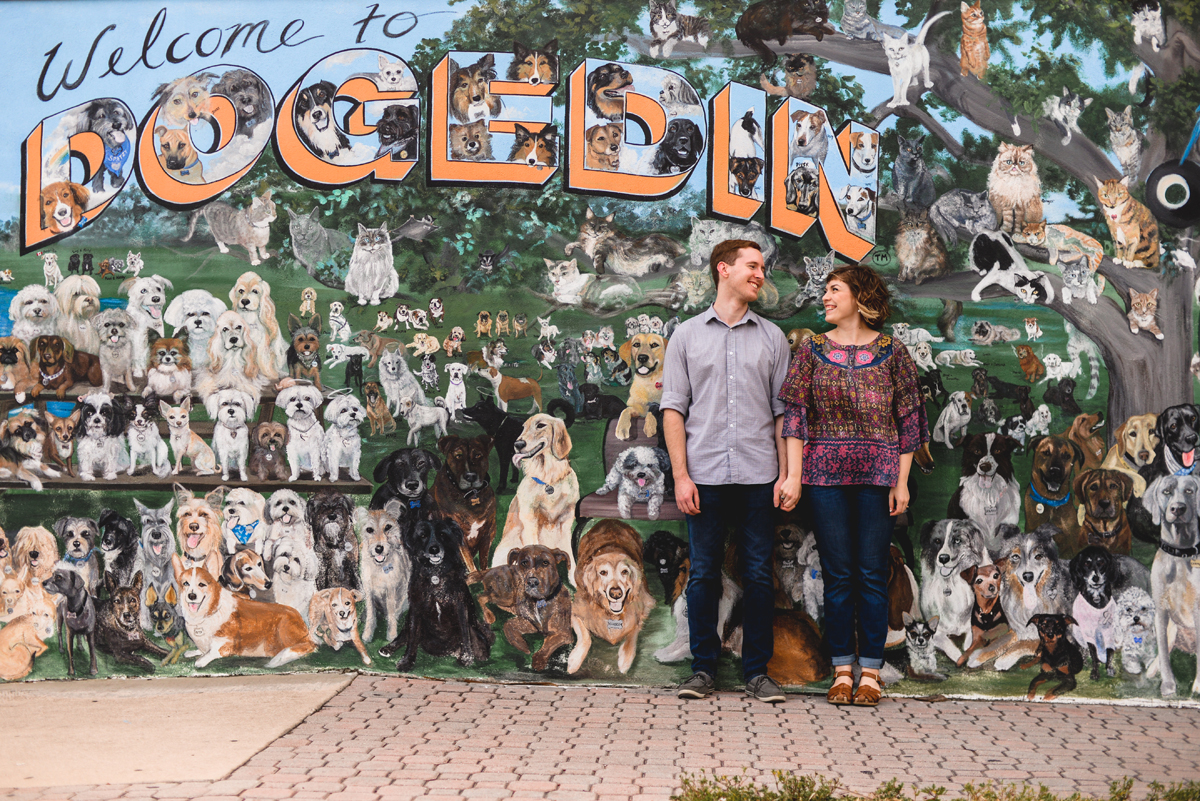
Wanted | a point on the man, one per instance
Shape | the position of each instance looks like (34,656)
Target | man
(723,423)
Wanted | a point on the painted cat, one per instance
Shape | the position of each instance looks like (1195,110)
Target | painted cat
(1134,230)
(696,286)
(669,27)
(1014,187)
(961,208)
(1077,346)
(312,243)
(858,24)
(919,251)
(974,51)
(1125,142)
(249,227)
(817,270)
(569,284)
(372,275)
(1148,23)
(1063,243)
(908,59)
(911,179)
(1065,112)
(1143,306)
(612,251)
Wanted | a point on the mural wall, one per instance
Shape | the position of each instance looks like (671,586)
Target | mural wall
(335,331)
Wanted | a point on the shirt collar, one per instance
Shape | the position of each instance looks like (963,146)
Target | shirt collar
(711,314)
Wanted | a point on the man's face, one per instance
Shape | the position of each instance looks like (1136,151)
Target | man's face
(745,276)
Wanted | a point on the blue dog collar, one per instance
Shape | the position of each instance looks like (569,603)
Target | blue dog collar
(1037,496)
(78,560)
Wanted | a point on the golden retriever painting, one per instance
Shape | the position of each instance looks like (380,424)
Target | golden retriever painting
(543,510)
(645,354)
(611,599)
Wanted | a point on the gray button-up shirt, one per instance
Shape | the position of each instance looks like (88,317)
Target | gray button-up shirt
(725,381)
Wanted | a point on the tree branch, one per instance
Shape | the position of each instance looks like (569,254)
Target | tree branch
(965,94)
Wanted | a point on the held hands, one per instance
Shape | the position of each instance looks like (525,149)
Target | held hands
(898,499)
(787,492)
(687,497)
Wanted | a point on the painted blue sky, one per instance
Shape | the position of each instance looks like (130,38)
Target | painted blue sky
(32,30)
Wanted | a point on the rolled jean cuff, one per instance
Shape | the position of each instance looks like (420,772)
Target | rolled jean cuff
(838,661)
(869,663)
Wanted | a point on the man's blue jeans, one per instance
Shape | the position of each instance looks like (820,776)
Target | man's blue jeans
(854,535)
(749,510)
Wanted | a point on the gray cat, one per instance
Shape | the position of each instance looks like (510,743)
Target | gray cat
(312,243)
(706,234)
(858,24)
(911,180)
(818,270)
(249,227)
(960,208)
(1125,141)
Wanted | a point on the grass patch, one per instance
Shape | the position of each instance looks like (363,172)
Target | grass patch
(791,787)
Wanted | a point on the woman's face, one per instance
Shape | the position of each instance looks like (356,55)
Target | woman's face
(839,302)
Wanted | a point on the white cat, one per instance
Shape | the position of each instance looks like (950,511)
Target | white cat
(569,284)
(907,59)
(1147,22)
(372,275)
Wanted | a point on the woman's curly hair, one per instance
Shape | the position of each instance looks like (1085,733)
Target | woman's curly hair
(869,290)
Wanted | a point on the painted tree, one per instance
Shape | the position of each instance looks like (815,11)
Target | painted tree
(1145,374)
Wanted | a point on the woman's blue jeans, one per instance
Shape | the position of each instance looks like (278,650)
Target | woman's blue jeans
(749,510)
(854,535)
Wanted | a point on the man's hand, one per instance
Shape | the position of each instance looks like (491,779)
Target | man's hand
(687,497)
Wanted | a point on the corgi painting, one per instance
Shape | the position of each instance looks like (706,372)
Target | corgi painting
(471,95)
(222,623)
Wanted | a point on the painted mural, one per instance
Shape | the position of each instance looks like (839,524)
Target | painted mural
(335,330)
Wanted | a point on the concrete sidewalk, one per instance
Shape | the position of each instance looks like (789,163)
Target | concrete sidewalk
(399,738)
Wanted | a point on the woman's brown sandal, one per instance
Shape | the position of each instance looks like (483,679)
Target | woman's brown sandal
(840,694)
(869,690)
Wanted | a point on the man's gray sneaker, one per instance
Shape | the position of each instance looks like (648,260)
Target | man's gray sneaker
(700,685)
(764,688)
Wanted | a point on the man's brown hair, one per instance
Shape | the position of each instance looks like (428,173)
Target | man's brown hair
(869,290)
(727,252)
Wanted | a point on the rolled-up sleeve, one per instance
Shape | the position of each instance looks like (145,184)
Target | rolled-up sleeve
(677,386)
(912,424)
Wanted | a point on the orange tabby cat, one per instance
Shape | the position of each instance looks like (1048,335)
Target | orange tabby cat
(974,52)
(1142,308)
(1134,231)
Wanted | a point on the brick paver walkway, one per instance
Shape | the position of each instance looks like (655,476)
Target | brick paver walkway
(399,738)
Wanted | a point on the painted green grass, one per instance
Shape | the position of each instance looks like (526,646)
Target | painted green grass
(198,265)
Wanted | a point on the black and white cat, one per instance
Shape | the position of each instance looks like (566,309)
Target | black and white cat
(994,256)
(1065,111)
(1148,23)
(669,27)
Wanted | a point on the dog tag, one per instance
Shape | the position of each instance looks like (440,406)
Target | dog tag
(1040,508)
(614,625)
(435,580)
(1196,563)
(549,490)
(349,546)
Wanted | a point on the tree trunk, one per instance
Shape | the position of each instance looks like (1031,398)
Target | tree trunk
(1144,374)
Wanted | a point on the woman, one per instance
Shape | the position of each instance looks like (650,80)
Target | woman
(853,418)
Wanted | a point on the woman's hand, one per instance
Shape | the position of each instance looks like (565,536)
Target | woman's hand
(787,493)
(898,499)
